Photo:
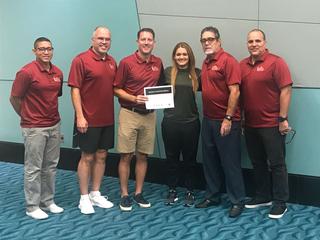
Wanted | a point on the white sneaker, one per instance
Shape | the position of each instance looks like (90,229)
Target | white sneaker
(54,208)
(85,206)
(37,214)
(99,201)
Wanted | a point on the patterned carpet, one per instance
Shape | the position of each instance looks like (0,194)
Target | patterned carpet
(159,222)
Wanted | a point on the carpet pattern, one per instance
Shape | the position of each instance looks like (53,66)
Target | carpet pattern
(160,222)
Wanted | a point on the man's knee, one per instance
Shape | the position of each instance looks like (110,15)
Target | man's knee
(87,158)
(101,156)
(126,157)
(141,157)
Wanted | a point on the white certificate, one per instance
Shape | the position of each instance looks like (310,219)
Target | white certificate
(159,97)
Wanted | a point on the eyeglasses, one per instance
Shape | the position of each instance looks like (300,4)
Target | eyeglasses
(290,135)
(102,39)
(209,40)
(42,49)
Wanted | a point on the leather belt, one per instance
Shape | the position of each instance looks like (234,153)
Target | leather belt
(139,110)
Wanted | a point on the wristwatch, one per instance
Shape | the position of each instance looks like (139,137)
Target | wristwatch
(282,119)
(228,117)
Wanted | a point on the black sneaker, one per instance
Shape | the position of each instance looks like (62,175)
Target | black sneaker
(189,199)
(277,211)
(255,203)
(125,203)
(139,199)
(172,197)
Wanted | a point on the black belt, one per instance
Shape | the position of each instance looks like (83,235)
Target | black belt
(139,110)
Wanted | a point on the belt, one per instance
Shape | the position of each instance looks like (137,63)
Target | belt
(139,110)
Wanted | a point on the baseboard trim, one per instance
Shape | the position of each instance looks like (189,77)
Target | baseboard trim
(303,189)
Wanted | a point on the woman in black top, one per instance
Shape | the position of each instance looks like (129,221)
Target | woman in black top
(181,125)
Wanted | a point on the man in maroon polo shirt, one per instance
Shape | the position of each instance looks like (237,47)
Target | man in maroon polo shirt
(136,130)
(91,80)
(266,94)
(34,97)
(220,77)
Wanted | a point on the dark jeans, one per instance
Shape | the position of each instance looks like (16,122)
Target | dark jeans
(181,138)
(266,149)
(222,154)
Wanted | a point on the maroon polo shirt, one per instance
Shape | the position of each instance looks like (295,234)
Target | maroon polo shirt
(217,75)
(94,77)
(260,89)
(39,90)
(134,74)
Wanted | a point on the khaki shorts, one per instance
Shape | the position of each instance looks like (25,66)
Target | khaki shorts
(136,132)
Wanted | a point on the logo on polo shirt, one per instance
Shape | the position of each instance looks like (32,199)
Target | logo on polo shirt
(56,79)
(260,69)
(215,68)
(111,65)
(155,68)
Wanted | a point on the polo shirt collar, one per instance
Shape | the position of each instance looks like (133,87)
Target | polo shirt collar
(215,56)
(96,56)
(260,59)
(42,69)
(141,60)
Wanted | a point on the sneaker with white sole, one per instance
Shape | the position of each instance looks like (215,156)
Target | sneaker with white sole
(37,214)
(100,201)
(277,211)
(141,201)
(53,208)
(85,205)
(125,203)
(256,203)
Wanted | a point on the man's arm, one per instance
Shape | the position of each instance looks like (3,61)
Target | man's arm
(285,97)
(82,123)
(120,93)
(232,105)
(16,104)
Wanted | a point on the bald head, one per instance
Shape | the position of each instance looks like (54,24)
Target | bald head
(101,40)
(100,28)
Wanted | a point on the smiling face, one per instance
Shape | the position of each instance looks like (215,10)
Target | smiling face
(43,52)
(210,44)
(181,58)
(256,44)
(101,41)
(146,44)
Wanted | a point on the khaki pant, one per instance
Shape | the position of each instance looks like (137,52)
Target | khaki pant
(42,152)
(136,132)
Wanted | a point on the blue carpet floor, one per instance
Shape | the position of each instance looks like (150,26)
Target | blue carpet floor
(159,222)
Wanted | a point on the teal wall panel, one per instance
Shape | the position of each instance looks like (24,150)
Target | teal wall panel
(69,24)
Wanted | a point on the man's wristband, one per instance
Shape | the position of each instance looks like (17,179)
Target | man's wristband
(228,117)
(282,119)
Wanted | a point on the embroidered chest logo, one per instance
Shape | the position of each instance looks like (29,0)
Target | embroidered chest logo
(260,69)
(111,66)
(56,79)
(155,68)
(215,68)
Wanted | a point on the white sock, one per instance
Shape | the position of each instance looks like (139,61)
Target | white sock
(95,193)
(84,197)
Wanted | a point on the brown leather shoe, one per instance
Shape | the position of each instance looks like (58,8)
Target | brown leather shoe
(236,210)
